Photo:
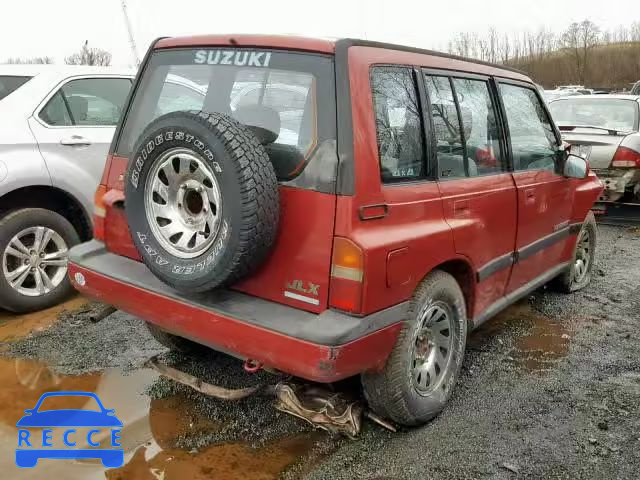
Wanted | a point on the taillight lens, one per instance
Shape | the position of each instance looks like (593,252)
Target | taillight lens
(347,276)
(99,212)
(626,158)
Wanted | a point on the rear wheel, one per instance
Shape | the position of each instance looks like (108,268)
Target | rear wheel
(578,275)
(34,245)
(423,367)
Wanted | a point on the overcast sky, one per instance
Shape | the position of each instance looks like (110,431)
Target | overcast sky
(59,27)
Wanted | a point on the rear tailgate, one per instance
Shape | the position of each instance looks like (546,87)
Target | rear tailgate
(599,148)
(301,89)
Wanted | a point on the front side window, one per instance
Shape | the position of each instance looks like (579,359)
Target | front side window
(87,102)
(533,140)
(480,128)
(289,94)
(398,123)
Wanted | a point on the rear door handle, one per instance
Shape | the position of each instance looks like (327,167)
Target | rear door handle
(530,195)
(461,208)
(75,141)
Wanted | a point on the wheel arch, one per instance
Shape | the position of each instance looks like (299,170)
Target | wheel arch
(462,271)
(49,198)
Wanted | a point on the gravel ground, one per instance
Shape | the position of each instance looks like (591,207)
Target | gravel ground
(549,389)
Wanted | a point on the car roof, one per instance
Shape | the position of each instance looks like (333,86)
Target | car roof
(31,70)
(307,44)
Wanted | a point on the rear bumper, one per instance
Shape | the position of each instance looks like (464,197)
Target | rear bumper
(323,348)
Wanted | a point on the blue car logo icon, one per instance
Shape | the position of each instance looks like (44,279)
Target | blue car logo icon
(69,420)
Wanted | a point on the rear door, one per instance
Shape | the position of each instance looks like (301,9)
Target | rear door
(74,128)
(544,195)
(477,190)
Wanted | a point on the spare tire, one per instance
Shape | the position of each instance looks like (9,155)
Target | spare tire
(201,199)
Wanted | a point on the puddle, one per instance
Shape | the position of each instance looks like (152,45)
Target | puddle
(149,435)
(543,342)
(14,327)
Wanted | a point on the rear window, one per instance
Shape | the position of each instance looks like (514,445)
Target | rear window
(9,84)
(616,114)
(290,94)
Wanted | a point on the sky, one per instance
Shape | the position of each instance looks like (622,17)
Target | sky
(58,28)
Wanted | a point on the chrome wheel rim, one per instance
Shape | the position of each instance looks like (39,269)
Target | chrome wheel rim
(183,203)
(432,347)
(35,261)
(582,262)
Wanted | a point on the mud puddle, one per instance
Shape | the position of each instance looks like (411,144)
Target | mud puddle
(152,430)
(538,341)
(14,327)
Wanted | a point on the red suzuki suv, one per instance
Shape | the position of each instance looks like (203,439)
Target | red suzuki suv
(334,208)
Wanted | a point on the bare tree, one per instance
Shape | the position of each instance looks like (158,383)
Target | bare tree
(579,39)
(40,60)
(89,56)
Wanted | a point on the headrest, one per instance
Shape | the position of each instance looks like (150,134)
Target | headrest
(263,121)
(79,106)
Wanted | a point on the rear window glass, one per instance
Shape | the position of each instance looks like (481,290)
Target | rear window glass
(616,114)
(9,84)
(289,94)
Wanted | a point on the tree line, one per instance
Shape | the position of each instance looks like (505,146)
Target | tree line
(85,56)
(581,54)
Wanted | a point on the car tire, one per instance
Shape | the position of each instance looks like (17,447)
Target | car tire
(202,200)
(578,274)
(23,225)
(404,390)
(176,343)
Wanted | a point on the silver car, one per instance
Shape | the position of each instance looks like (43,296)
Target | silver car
(56,124)
(604,129)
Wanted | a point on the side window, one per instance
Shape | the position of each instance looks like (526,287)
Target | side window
(480,128)
(533,141)
(446,126)
(398,123)
(55,111)
(88,102)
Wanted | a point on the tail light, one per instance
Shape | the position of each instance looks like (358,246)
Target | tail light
(99,212)
(347,276)
(626,158)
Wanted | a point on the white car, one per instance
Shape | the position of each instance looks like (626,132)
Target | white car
(56,125)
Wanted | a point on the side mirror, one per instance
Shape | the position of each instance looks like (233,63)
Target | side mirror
(575,167)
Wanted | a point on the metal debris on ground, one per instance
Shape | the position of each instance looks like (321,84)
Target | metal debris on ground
(332,411)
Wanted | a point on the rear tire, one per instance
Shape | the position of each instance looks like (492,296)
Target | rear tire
(578,275)
(18,230)
(431,343)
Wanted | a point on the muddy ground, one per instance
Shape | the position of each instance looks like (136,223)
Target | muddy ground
(549,389)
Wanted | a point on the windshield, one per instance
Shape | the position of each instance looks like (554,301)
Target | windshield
(9,84)
(613,113)
(289,94)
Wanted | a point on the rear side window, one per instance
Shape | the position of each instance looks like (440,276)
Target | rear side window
(450,151)
(289,94)
(87,102)
(9,84)
(398,123)
(533,140)
(481,134)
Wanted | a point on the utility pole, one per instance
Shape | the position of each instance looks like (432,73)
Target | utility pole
(132,42)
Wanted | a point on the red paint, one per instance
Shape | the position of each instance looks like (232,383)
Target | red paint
(286,42)
(304,359)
